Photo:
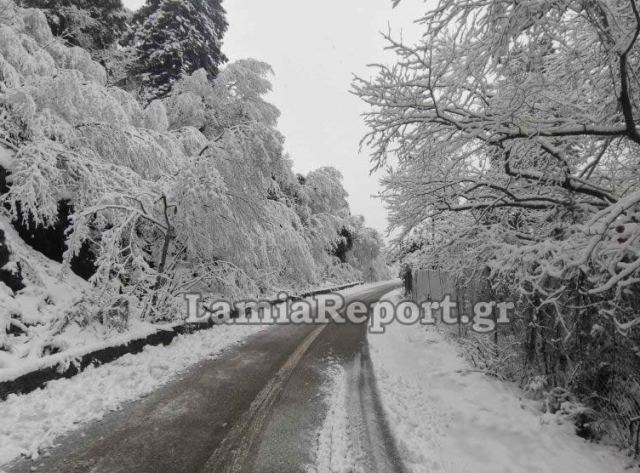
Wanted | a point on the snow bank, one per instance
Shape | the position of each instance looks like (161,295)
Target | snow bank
(54,288)
(31,423)
(49,292)
(446,417)
(83,342)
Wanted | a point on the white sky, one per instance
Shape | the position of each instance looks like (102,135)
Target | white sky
(315,48)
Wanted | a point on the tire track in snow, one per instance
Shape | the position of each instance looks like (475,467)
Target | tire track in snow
(231,455)
(354,437)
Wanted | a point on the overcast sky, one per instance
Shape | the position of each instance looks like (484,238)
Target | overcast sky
(315,48)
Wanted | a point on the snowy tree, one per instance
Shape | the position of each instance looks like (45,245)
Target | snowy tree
(174,38)
(89,24)
(325,192)
(366,254)
(191,192)
(525,118)
(509,132)
(149,232)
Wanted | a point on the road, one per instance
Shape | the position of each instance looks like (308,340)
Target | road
(256,408)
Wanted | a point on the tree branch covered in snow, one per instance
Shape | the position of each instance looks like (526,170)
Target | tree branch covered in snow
(189,192)
(509,143)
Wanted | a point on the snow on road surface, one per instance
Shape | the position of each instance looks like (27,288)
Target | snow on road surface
(447,418)
(30,423)
(334,451)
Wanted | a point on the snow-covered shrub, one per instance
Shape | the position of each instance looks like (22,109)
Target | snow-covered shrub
(131,106)
(45,63)
(9,76)
(192,140)
(499,360)
(23,53)
(22,106)
(155,116)
(11,14)
(197,84)
(48,125)
(186,109)
(35,24)
(78,59)
(536,386)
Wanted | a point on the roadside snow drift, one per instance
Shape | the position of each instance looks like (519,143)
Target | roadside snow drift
(447,418)
(31,423)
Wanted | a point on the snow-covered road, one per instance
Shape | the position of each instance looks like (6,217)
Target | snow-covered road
(31,423)
(190,417)
(294,398)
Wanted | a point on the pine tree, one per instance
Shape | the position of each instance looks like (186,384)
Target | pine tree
(174,38)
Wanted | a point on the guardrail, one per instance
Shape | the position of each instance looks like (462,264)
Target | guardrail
(73,365)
